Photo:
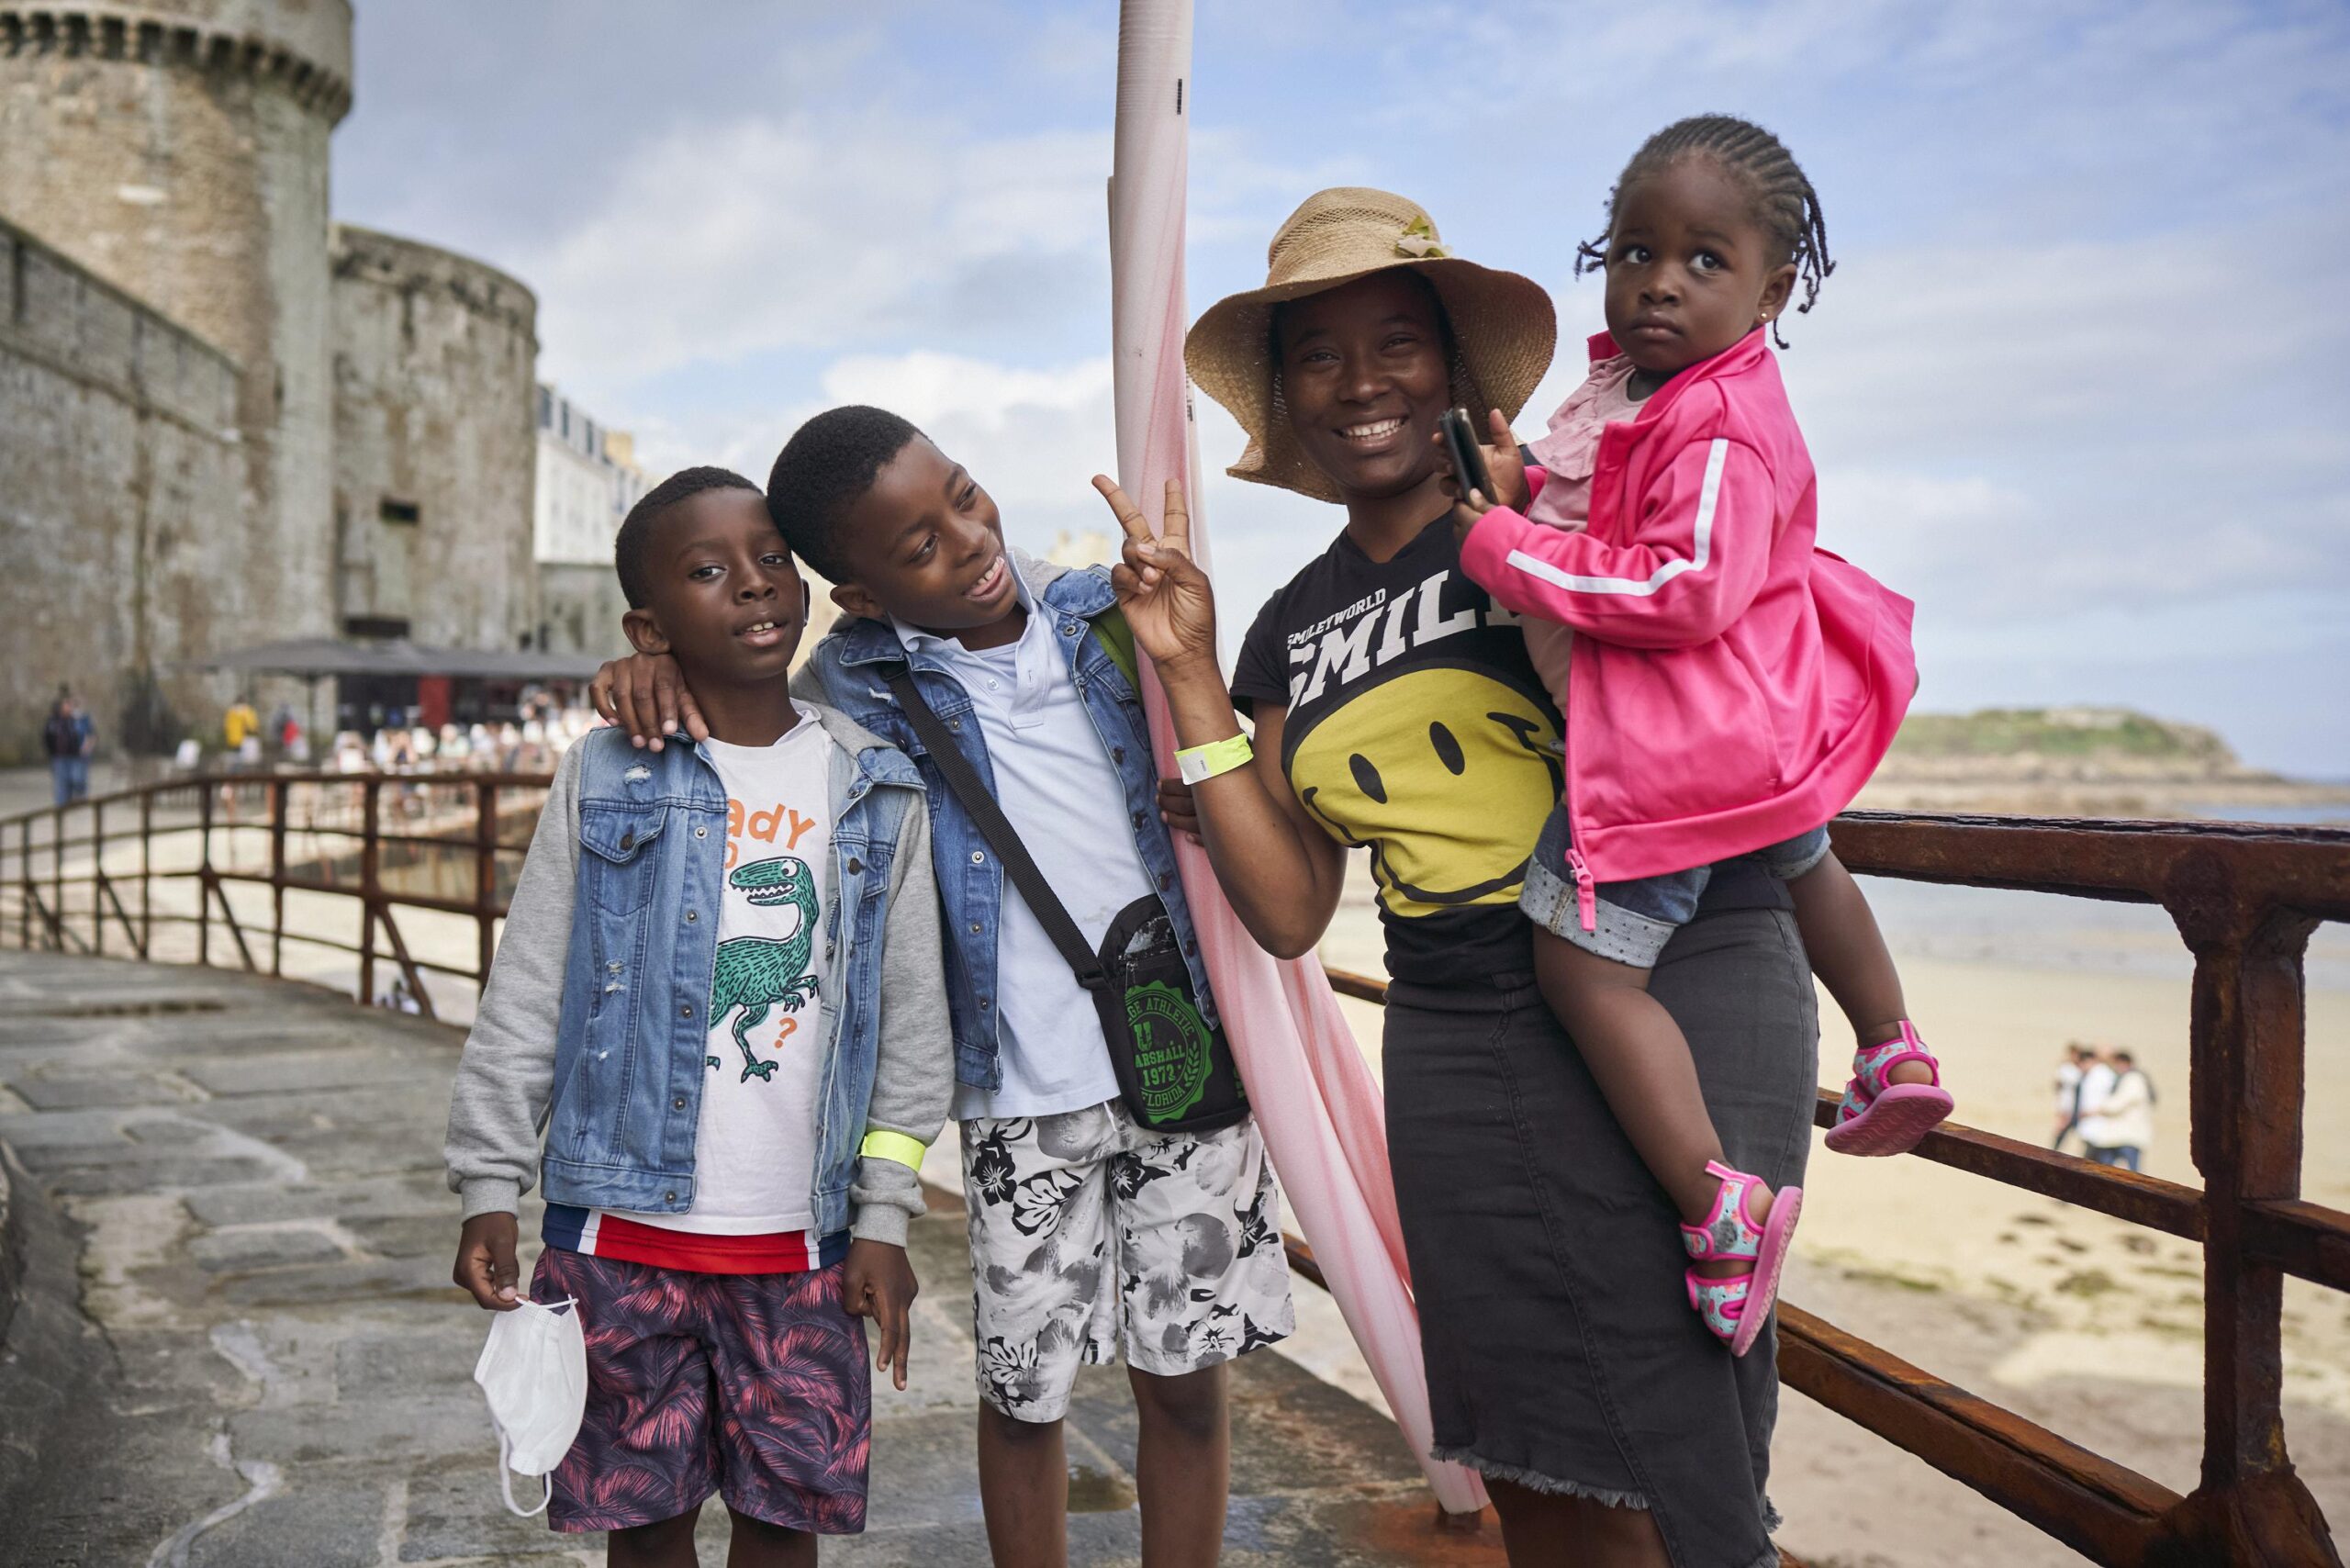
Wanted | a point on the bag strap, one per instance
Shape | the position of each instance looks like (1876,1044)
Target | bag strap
(963,782)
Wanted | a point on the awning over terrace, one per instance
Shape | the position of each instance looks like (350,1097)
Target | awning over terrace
(316,658)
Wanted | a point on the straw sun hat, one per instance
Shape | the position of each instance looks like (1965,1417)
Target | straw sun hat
(1503,326)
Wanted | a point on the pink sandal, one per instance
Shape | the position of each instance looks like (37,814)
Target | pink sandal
(1735,1306)
(1879,1118)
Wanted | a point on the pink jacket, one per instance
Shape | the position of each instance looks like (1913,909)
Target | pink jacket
(1731,686)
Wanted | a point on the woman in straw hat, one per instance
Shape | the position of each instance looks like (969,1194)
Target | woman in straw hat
(1395,710)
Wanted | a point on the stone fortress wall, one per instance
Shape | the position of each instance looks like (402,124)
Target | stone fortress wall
(170,157)
(120,471)
(580,606)
(178,150)
(435,450)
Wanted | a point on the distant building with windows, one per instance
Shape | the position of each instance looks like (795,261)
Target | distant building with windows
(588,479)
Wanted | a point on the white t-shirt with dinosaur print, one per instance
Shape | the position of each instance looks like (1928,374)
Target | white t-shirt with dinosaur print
(755,1149)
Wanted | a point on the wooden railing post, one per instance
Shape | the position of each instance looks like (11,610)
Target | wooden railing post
(204,875)
(57,880)
(97,877)
(485,876)
(24,872)
(370,807)
(147,871)
(2245,1091)
(279,793)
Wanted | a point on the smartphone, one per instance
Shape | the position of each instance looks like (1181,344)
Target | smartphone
(1468,458)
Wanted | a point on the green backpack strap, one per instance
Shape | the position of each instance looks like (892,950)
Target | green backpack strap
(1117,639)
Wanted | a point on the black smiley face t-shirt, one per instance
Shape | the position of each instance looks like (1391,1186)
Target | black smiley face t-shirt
(1418,730)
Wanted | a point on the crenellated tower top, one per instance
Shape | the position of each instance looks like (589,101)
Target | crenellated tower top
(302,45)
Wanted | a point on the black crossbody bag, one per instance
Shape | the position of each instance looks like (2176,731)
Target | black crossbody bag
(1175,1071)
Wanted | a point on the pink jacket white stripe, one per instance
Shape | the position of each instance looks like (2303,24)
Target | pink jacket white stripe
(1731,686)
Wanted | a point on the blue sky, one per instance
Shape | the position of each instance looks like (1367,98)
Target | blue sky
(2077,386)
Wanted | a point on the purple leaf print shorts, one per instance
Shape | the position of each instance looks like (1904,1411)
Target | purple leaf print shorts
(1087,1230)
(754,1386)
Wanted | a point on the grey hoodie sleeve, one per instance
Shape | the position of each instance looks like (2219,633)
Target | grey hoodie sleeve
(806,686)
(914,1075)
(508,1071)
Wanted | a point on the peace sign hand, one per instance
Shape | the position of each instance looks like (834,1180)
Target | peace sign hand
(1166,597)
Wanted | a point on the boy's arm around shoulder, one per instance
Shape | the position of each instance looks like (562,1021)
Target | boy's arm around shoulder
(508,1069)
(914,1073)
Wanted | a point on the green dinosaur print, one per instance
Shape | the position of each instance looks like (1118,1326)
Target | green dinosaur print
(755,973)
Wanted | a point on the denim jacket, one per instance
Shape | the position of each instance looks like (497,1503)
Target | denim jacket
(848,665)
(593,1024)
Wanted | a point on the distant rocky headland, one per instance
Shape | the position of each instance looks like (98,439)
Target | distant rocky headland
(2078,762)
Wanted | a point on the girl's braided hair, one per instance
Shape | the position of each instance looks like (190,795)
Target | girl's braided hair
(1785,201)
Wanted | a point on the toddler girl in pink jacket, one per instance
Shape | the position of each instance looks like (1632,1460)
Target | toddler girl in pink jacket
(1727,688)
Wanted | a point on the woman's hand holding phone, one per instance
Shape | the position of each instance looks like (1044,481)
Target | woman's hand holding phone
(1502,465)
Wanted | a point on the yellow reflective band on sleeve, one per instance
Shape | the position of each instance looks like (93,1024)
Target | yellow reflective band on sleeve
(896,1148)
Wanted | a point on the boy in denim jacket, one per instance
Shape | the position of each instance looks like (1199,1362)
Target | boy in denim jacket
(1089,1234)
(719,993)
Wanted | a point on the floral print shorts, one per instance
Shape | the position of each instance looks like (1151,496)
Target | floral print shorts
(1086,1228)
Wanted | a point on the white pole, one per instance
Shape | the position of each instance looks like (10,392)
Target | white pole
(1317,1103)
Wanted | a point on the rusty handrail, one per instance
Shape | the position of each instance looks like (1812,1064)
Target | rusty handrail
(34,871)
(2244,898)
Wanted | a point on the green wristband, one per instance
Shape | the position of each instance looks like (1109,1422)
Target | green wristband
(1198,763)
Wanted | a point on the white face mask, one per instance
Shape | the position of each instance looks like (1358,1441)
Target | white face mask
(534,1372)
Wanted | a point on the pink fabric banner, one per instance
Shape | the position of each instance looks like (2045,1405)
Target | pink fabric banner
(1316,1103)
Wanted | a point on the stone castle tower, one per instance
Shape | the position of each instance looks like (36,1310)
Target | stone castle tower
(223,420)
(179,151)
(435,452)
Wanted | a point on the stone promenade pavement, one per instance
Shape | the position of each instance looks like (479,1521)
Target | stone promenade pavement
(236,1345)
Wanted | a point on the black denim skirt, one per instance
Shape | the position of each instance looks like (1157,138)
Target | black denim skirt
(1546,1262)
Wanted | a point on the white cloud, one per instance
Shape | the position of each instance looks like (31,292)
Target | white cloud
(2037,430)
(796,235)
(719,244)
(1932,350)
(1033,438)
(2017,431)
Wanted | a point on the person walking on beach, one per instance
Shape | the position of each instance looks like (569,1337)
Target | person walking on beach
(2097,1082)
(2118,1123)
(2069,1073)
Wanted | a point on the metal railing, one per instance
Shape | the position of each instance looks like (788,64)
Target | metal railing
(2244,899)
(385,842)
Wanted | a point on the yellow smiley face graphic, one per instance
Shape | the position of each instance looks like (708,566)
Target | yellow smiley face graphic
(1445,775)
